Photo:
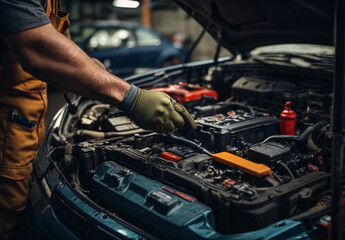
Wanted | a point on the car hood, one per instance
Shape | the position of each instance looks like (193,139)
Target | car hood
(246,24)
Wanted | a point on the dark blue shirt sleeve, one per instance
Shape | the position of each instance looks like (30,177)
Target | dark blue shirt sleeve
(18,15)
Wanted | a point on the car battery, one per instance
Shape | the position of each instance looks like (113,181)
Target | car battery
(189,95)
(168,213)
(234,127)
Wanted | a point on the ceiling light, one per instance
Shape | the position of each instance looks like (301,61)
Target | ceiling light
(126,4)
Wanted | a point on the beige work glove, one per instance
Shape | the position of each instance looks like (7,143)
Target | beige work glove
(157,111)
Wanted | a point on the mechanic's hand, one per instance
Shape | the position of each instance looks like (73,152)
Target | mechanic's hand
(159,112)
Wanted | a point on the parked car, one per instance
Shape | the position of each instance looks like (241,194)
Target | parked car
(258,165)
(125,47)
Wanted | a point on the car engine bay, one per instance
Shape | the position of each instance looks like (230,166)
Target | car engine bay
(237,164)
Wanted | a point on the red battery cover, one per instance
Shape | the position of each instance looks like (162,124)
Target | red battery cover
(184,92)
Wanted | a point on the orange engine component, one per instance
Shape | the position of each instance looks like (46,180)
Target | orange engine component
(255,169)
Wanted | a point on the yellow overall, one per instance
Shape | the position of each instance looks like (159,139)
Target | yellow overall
(23,105)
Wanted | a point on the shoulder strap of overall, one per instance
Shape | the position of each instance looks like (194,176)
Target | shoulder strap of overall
(52,6)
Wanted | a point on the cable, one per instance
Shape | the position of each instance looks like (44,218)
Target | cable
(300,139)
(283,138)
(287,169)
(188,143)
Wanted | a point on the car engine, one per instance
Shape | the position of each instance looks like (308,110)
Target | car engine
(236,164)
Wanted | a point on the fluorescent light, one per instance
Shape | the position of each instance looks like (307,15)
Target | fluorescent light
(126,3)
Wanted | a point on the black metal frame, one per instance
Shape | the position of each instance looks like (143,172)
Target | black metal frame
(338,119)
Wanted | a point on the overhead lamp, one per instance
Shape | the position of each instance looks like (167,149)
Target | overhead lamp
(126,4)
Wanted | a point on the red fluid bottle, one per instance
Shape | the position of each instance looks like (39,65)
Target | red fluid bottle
(288,120)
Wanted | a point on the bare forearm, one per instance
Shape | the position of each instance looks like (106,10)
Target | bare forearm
(99,64)
(51,57)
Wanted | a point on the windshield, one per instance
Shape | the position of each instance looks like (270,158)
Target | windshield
(295,48)
(80,33)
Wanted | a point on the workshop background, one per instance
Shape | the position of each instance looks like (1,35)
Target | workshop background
(162,16)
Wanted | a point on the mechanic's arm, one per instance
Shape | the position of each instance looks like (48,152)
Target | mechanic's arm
(68,35)
(99,64)
(50,56)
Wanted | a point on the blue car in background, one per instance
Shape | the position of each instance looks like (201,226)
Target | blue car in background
(126,47)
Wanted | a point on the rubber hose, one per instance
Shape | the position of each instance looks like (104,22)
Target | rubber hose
(282,137)
(82,134)
(309,130)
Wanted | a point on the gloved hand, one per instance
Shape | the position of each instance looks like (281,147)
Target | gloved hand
(159,112)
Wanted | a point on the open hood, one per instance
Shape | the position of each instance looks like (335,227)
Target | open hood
(246,24)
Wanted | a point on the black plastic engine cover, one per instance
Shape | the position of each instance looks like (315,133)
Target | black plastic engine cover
(217,132)
(279,202)
(263,92)
(259,88)
(268,153)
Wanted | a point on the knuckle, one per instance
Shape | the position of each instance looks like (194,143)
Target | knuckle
(160,111)
(165,101)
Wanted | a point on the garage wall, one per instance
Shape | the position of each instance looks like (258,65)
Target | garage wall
(174,22)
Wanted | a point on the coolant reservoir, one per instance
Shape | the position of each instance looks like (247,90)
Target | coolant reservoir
(288,120)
